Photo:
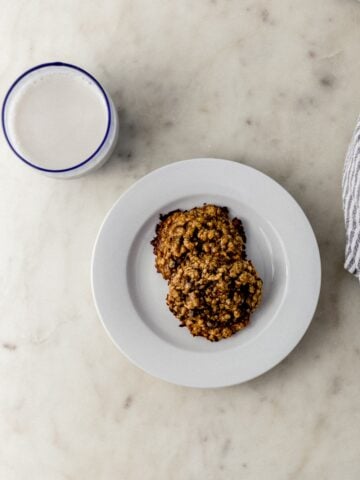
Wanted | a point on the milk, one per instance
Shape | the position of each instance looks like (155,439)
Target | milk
(60,120)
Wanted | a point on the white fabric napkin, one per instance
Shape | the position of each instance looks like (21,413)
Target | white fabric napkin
(351,204)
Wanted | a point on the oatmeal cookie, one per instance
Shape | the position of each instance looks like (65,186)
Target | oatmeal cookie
(214,297)
(201,230)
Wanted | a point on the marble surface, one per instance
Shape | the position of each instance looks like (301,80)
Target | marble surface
(272,84)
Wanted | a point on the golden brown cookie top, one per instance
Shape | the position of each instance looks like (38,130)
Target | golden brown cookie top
(213,296)
(201,230)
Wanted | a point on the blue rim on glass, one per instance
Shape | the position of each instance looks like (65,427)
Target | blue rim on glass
(56,64)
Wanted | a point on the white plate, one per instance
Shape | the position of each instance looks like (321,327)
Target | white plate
(130,295)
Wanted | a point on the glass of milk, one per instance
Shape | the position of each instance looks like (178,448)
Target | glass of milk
(59,120)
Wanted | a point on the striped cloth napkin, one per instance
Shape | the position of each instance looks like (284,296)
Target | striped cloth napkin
(351,204)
